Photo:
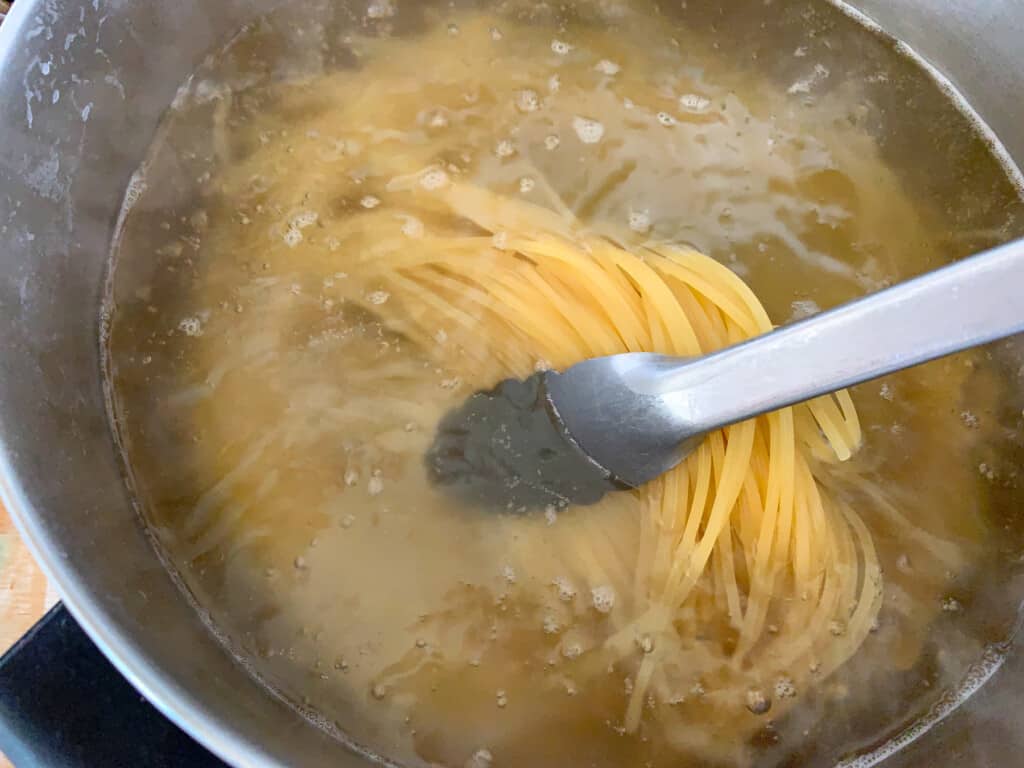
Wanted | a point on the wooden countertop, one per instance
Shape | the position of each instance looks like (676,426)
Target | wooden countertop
(24,593)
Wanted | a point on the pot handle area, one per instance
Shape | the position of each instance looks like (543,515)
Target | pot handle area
(63,704)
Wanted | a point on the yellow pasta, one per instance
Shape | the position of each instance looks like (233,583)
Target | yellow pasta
(741,529)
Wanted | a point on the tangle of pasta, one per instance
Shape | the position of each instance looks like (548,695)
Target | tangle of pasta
(740,530)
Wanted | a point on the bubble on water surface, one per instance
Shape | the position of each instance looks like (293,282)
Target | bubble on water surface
(560,47)
(434,178)
(758,701)
(640,221)
(603,598)
(504,149)
(303,219)
(191,326)
(692,102)
(784,688)
(589,131)
(802,308)
(566,591)
(527,101)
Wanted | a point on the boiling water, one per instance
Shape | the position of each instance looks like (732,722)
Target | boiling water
(273,426)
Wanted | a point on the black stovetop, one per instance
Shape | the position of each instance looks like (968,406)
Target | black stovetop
(63,705)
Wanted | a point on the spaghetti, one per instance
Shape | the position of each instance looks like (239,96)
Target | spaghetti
(741,528)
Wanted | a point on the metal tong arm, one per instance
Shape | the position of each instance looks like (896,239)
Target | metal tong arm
(970,302)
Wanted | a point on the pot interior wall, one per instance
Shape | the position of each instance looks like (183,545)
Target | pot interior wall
(83,86)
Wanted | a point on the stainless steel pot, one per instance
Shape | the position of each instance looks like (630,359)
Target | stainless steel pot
(82,86)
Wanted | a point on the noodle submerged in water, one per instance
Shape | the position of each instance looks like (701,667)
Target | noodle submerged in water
(355,252)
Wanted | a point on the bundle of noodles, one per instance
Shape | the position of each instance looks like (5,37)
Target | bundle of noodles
(739,575)
(741,530)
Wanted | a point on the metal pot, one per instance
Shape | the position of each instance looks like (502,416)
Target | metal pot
(83,84)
